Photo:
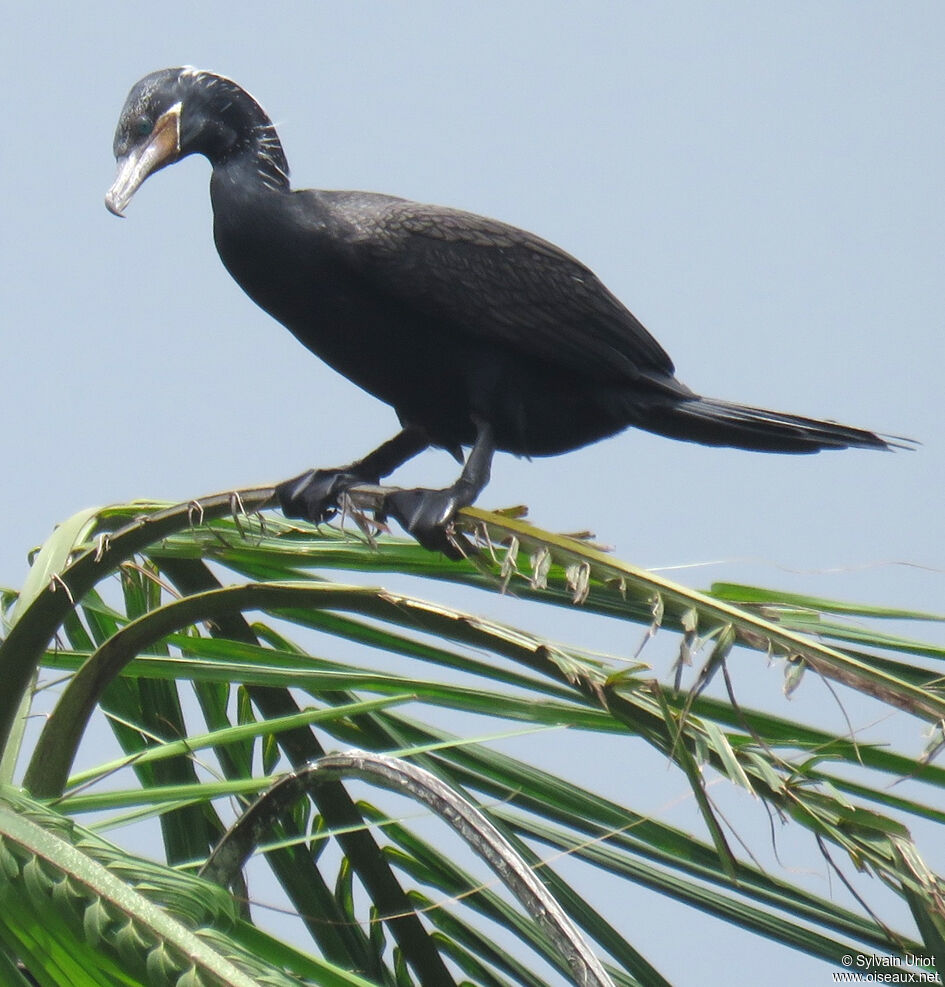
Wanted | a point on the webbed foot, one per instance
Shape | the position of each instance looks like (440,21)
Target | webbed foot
(428,516)
(314,494)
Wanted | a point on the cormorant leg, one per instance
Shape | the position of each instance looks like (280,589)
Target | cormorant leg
(426,514)
(313,495)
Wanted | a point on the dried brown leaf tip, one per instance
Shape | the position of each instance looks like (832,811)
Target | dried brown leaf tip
(541,565)
(195,513)
(509,562)
(585,535)
(687,646)
(578,578)
(657,609)
(936,743)
(102,545)
(516,512)
(619,584)
(793,673)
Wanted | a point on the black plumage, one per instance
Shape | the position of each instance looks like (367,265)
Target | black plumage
(475,332)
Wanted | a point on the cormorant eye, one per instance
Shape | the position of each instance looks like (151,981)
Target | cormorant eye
(141,127)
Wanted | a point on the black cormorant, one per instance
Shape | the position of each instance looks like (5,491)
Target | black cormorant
(477,333)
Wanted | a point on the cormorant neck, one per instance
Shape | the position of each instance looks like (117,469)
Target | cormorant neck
(268,158)
(225,123)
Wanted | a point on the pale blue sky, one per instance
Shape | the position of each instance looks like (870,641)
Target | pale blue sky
(762,184)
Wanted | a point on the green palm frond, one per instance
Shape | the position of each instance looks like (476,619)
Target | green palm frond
(225,648)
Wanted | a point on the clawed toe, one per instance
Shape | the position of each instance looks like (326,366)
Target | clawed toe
(428,516)
(425,514)
(314,495)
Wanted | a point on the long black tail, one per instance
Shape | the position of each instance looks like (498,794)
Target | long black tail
(720,423)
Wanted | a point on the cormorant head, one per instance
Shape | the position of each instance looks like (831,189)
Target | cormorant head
(175,112)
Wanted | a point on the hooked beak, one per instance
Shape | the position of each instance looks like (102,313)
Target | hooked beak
(161,148)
